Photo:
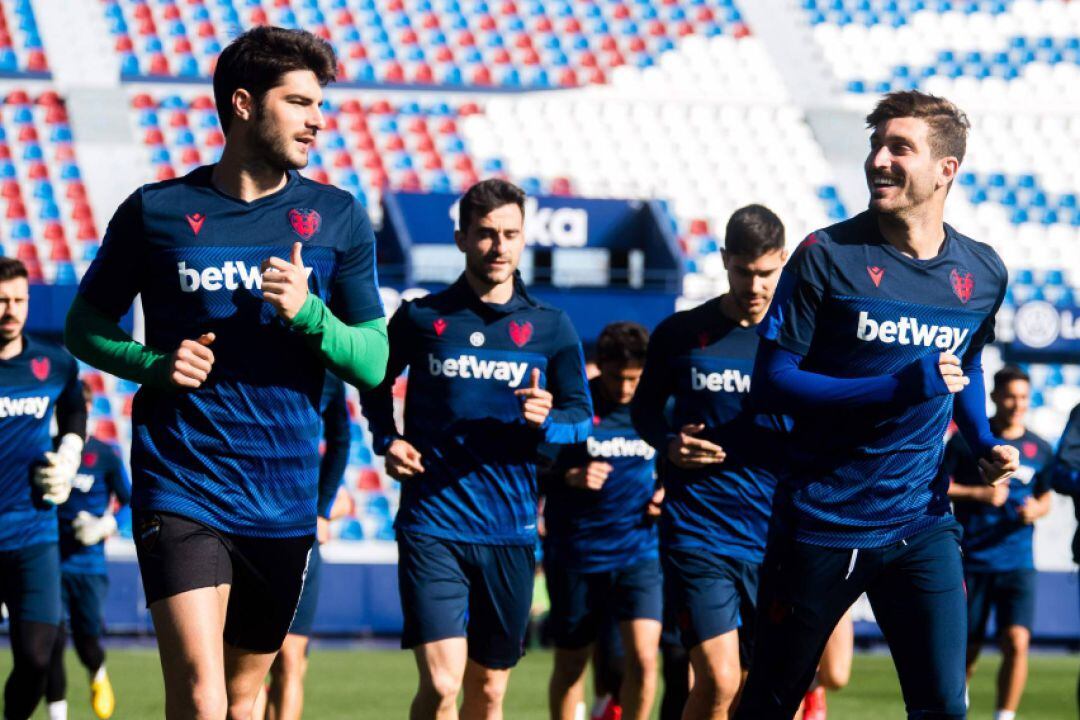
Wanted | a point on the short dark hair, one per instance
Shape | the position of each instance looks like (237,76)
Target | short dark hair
(485,196)
(753,231)
(1008,374)
(10,268)
(257,59)
(948,124)
(622,342)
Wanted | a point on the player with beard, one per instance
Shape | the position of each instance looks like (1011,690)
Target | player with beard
(236,264)
(875,334)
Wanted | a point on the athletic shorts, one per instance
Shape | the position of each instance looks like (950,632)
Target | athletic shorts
(1011,595)
(30,583)
(709,595)
(580,602)
(83,595)
(177,554)
(480,592)
(304,618)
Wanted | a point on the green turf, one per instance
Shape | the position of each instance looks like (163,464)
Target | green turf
(358,684)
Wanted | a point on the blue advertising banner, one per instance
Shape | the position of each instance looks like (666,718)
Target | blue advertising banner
(1040,327)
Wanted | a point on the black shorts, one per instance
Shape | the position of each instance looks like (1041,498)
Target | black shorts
(177,554)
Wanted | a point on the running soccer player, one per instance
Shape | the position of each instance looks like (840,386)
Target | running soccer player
(234,263)
(284,697)
(86,520)
(720,471)
(37,380)
(998,522)
(601,550)
(878,325)
(493,373)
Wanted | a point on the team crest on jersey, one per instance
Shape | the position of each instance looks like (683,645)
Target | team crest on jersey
(195,220)
(89,459)
(520,333)
(1029,449)
(963,284)
(440,326)
(876,274)
(305,222)
(40,367)
(477,339)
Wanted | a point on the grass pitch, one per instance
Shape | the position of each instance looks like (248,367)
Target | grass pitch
(377,684)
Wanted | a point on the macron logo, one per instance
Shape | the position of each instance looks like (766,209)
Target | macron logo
(21,407)
(230,276)
(909,331)
(470,367)
(619,447)
(732,381)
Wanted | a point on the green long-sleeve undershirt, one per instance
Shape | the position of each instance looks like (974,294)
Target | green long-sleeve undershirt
(357,354)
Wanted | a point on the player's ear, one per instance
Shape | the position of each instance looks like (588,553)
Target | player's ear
(459,240)
(948,167)
(243,104)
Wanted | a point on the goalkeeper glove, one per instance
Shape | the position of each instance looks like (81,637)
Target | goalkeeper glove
(91,529)
(55,476)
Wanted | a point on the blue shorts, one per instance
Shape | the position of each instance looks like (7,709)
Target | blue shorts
(709,595)
(480,592)
(1011,595)
(30,583)
(580,602)
(83,595)
(916,589)
(304,618)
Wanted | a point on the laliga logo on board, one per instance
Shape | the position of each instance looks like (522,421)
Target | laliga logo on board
(547,227)
(1039,324)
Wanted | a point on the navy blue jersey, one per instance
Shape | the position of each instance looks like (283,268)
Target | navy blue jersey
(466,358)
(101,477)
(608,529)
(337,437)
(854,306)
(241,453)
(700,362)
(995,540)
(34,384)
(1063,472)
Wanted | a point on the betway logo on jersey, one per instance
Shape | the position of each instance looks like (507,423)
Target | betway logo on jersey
(22,407)
(232,275)
(732,381)
(909,331)
(470,367)
(619,447)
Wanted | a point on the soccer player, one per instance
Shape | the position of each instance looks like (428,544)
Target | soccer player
(998,522)
(492,374)
(601,550)
(86,520)
(720,471)
(878,325)
(37,380)
(234,263)
(284,697)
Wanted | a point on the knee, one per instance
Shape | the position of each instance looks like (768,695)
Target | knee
(442,686)
(834,676)
(568,668)
(1015,641)
(490,688)
(288,666)
(213,704)
(720,681)
(642,665)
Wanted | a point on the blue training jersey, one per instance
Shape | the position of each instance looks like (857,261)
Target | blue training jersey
(101,477)
(700,362)
(34,384)
(854,306)
(995,540)
(607,529)
(241,453)
(466,358)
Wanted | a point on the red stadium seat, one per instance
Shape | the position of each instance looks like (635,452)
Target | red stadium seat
(203,102)
(142,12)
(26,252)
(17,97)
(86,230)
(530,57)
(469,108)
(143,101)
(178,119)
(165,172)
(462,163)
(154,136)
(621,12)
(501,56)
(95,382)
(568,78)
(320,176)
(465,39)
(81,211)
(10,190)
(38,171)
(444,54)
(741,30)
(597,76)
(684,29)
(352,106)
(704,13)
(64,153)
(105,430)
(126,409)
(614,59)
(53,231)
(410,182)
(368,480)
(381,107)
(33,271)
(123,44)
(170,12)
(182,46)
(408,37)
(190,156)
(56,114)
(214,138)
(258,17)
(543,24)
(28,133)
(571,26)
(430,21)
(159,64)
(393,72)
(587,60)
(357,51)
(75,191)
(656,28)
(561,186)
(59,252)
(343,160)
(487,23)
(146,28)
(395,143)
(480,76)
(344,18)
(365,142)
(205,29)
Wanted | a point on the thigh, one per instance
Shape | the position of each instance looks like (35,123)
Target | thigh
(702,592)
(245,673)
(434,590)
(574,619)
(304,618)
(268,577)
(501,582)
(188,628)
(977,587)
(804,591)
(919,603)
(86,594)
(638,592)
(1014,600)
(177,555)
(33,585)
